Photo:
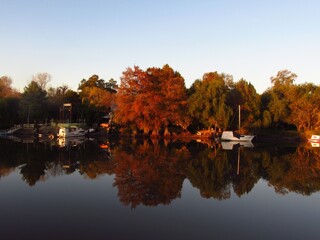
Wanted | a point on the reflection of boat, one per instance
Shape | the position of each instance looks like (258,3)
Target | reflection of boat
(72,131)
(233,136)
(73,141)
(229,145)
(314,139)
(315,144)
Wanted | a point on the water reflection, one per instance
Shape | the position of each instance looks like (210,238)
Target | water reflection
(152,172)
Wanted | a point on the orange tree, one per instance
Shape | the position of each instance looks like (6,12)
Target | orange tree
(151,100)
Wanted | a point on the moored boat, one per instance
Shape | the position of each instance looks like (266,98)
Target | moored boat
(234,136)
(72,131)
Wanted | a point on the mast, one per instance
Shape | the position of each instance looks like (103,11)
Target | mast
(239,118)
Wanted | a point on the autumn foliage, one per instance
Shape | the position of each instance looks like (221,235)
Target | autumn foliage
(150,100)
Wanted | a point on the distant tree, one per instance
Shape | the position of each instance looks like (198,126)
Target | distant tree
(42,79)
(9,111)
(97,97)
(9,103)
(34,103)
(60,95)
(6,89)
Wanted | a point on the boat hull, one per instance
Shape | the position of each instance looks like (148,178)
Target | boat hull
(233,136)
(71,132)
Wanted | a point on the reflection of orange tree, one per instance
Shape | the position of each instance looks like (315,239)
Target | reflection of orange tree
(211,173)
(150,175)
(298,172)
(5,171)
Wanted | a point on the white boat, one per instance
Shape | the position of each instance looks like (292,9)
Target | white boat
(72,131)
(314,139)
(234,136)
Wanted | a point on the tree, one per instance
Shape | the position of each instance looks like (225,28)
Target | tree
(208,102)
(60,95)
(281,96)
(151,100)
(9,103)
(9,111)
(5,87)
(42,79)
(249,100)
(97,97)
(34,103)
(305,107)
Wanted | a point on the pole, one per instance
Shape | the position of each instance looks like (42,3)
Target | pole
(239,119)
(238,167)
(28,115)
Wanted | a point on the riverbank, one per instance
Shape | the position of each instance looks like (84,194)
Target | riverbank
(268,136)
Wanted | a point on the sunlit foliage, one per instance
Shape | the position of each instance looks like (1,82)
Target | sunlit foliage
(151,100)
(208,103)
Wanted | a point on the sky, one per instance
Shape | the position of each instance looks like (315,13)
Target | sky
(74,39)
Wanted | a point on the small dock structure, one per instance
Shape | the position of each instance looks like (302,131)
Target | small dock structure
(10,130)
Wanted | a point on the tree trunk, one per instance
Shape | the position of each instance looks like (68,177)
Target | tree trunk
(166,132)
(146,131)
(155,133)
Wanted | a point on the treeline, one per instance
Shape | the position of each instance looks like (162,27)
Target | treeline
(156,102)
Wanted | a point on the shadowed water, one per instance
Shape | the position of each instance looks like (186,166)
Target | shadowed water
(143,189)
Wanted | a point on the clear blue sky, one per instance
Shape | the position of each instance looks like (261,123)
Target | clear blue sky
(74,39)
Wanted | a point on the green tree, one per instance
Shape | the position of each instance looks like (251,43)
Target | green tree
(34,103)
(280,97)
(208,100)
(245,95)
(9,111)
(97,97)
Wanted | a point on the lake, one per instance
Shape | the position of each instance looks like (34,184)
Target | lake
(156,189)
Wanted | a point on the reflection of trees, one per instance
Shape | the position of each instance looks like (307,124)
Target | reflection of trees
(298,171)
(248,171)
(32,172)
(211,173)
(6,171)
(151,174)
(93,169)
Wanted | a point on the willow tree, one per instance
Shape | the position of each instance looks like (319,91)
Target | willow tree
(208,102)
(150,100)
(250,103)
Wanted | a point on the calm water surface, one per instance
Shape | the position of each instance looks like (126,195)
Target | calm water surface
(135,189)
